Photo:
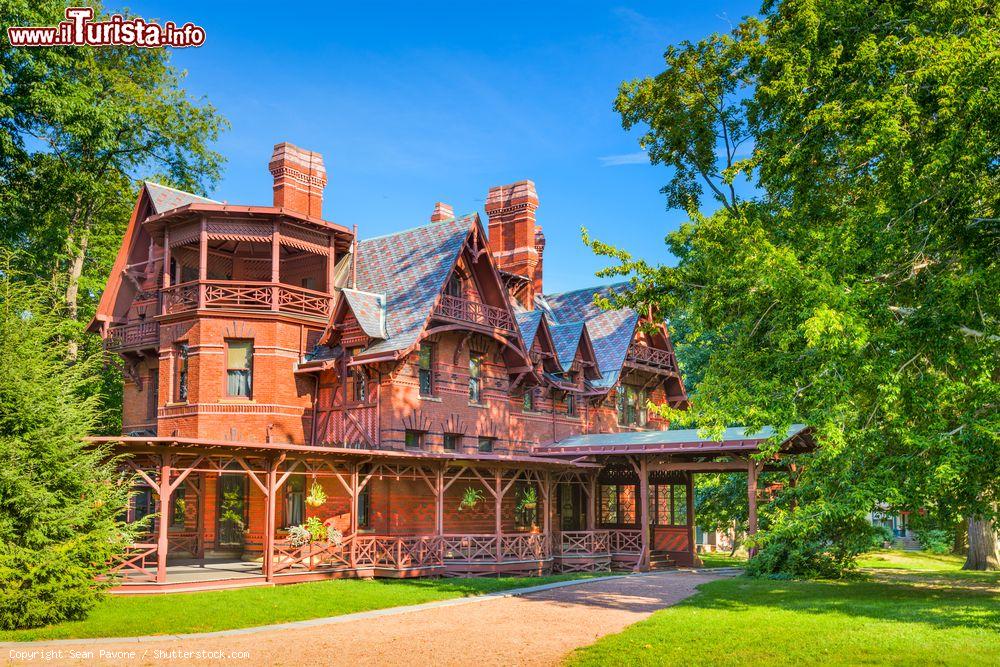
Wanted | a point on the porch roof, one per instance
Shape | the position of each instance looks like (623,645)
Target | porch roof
(139,443)
(736,438)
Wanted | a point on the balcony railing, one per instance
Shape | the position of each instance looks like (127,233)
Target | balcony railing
(132,336)
(464,310)
(584,543)
(650,357)
(243,295)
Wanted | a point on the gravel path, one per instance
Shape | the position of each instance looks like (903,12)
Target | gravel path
(533,629)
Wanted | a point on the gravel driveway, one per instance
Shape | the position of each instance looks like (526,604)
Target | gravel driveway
(532,629)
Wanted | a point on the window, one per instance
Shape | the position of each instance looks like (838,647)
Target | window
(295,500)
(182,372)
(570,404)
(486,444)
(451,442)
(529,401)
(154,394)
(365,508)
(309,283)
(475,378)
(178,510)
(454,286)
(239,368)
(668,504)
(425,369)
(143,504)
(618,504)
(414,439)
(631,404)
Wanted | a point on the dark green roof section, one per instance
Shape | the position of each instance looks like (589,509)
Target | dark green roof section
(691,437)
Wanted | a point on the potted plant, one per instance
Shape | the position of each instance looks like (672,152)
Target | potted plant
(528,499)
(470,498)
(317,496)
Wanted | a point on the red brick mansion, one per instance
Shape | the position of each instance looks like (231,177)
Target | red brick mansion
(309,403)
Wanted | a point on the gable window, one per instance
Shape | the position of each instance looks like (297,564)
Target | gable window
(182,372)
(570,404)
(239,367)
(454,286)
(413,439)
(451,442)
(475,378)
(424,369)
(357,382)
(631,404)
(486,444)
(295,500)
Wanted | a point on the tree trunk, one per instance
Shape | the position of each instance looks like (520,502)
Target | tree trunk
(73,286)
(983,549)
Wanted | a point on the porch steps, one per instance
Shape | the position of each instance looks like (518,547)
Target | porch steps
(659,560)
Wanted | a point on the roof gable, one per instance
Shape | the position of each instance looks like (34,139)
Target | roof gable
(369,310)
(164,198)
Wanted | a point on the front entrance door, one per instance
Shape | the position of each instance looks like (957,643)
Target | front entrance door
(570,507)
(232,510)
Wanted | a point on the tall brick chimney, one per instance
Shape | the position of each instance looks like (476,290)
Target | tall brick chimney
(441,212)
(299,179)
(513,243)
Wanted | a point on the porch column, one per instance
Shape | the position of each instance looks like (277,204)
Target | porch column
(753,470)
(202,261)
(354,498)
(269,520)
(439,501)
(643,563)
(547,513)
(275,264)
(165,280)
(498,507)
(592,501)
(200,517)
(692,537)
(163,519)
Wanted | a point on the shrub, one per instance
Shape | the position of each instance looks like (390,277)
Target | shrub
(798,547)
(934,540)
(881,536)
(59,499)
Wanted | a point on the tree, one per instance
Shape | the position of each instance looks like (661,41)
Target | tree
(77,126)
(855,288)
(59,499)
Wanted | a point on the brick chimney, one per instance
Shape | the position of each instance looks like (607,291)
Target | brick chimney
(299,179)
(540,249)
(513,242)
(442,212)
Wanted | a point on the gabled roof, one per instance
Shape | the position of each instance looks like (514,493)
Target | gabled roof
(611,331)
(369,310)
(527,322)
(410,269)
(164,198)
(567,339)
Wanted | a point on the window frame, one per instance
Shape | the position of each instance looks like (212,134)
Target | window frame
(249,370)
(476,378)
(181,370)
(486,444)
(418,435)
(456,438)
(295,501)
(425,372)
(364,517)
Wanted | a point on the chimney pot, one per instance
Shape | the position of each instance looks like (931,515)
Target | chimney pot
(441,212)
(299,179)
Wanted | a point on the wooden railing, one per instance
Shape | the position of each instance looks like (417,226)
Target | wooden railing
(397,553)
(584,542)
(132,336)
(245,295)
(356,427)
(464,310)
(486,548)
(650,356)
(314,555)
(625,541)
(470,548)
(186,541)
(138,563)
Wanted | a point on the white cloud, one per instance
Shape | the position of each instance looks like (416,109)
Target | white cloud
(639,157)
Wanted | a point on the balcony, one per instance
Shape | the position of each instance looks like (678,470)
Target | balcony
(650,358)
(243,295)
(461,310)
(138,336)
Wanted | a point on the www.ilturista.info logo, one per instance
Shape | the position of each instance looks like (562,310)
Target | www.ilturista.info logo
(80,30)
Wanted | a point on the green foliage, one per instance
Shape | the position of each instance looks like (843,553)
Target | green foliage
(856,288)
(936,541)
(883,535)
(470,498)
(59,500)
(316,528)
(823,546)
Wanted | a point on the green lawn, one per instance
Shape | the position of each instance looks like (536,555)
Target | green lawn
(129,616)
(908,609)
(721,559)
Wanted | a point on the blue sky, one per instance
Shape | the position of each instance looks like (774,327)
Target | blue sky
(419,102)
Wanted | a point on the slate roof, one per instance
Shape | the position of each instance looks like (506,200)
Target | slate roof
(369,309)
(610,331)
(165,198)
(410,268)
(527,322)
(679,438)
(567,341)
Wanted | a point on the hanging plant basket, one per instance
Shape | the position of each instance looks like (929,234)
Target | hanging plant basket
(470,498)
(317,496)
